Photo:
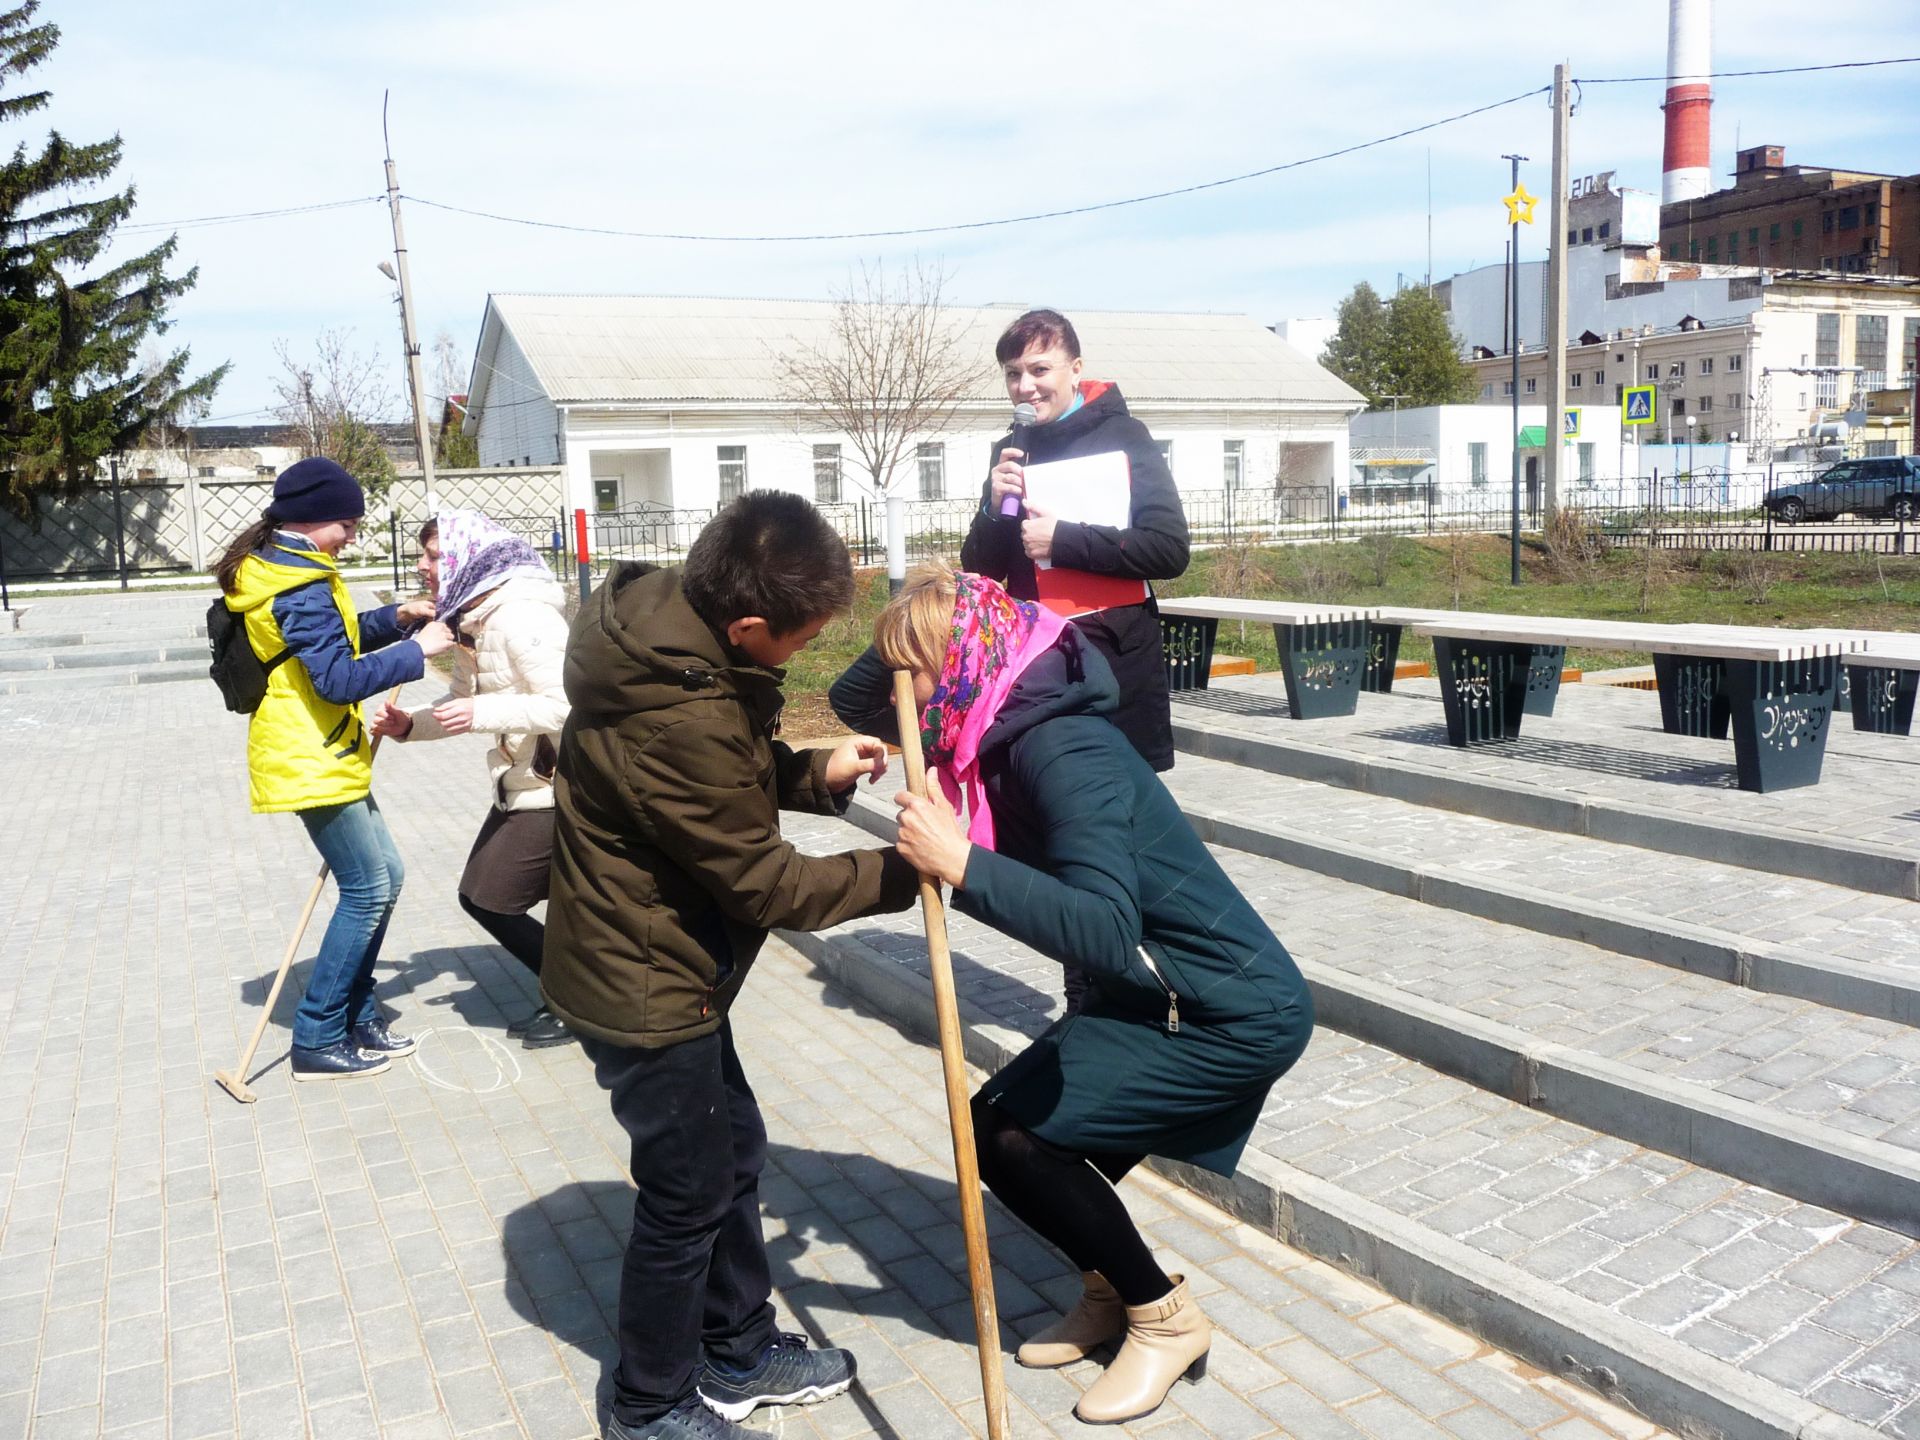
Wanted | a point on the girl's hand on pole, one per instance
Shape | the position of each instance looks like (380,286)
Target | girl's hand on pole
(931,839)
(862,755)
(390,719)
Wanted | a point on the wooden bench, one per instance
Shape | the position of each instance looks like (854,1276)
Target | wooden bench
(1879,682)
(1324,649)
(1775,689)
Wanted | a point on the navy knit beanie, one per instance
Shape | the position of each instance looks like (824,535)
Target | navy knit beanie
(316,490)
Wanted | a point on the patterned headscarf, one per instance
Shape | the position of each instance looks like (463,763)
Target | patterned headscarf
(476,556)
(995,638)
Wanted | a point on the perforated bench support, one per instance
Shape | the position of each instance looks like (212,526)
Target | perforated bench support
(1322,664)
(1693,695)
(1543,677)
(1186,643)
(1881,697)
(1383,653)
(1483,688)
(1781,711)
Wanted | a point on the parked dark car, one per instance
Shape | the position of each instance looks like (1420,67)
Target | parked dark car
(1885,487)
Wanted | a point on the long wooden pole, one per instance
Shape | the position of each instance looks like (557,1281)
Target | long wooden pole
(953,1061)
(234,1081)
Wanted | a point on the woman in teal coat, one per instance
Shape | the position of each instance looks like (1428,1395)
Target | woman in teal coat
(1073,846)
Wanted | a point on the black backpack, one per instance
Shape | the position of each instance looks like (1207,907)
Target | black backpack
(240,674)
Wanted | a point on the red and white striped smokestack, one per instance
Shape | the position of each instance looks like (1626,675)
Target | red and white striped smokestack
(1687,167)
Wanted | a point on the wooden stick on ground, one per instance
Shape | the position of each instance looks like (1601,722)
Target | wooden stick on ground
(953,1061)
(234,1081)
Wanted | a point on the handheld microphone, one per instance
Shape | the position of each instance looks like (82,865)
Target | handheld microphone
(1023,417)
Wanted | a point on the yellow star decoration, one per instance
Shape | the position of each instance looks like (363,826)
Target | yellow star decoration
(1520,205)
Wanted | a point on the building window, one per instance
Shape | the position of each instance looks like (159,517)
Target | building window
(1677,370)
(1826,391)
(1486,391)
(1693,249)
(266,470)
(1606,228)
(1706,402)
(1849,217)
(1619,393)
(205,472)
(1706,365)
(1679,407)
(1733,400)
(1878,448)
(1533,385)
(1653,372)
(1773,232)
(1909,361)
(1826,223)
(1753,235)
(1477,462)
(146,472)
(1599,377)
(1873,214)
(1826,340)
(606,496)
(1585,449)
(933,470)
(733,472)
(1575,380)
(1799,228)
(1233,462)
(826,474)
(1735,364)
(1506,387)
(1586,236)
(1733,248)
(1870,350)
(1713,247)
(1573,237)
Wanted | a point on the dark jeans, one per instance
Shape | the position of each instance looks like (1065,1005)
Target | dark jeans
(354,842)
(695,1280)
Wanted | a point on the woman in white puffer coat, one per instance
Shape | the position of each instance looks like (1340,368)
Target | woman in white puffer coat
(509,615)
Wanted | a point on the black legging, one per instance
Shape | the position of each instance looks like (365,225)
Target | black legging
(1068,1198)
(521,936)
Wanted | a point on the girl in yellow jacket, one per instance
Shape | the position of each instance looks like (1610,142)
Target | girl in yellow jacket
(308,750)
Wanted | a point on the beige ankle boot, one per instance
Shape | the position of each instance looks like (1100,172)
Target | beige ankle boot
(1166,1341)
(1097,1317)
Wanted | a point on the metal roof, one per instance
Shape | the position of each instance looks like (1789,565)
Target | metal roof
(613,349)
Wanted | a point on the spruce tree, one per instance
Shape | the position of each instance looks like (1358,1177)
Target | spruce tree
(1401,346)
(73,319)
(1357,351)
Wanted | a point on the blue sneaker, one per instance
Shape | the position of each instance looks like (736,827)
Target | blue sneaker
(788,1374)
(689,1420)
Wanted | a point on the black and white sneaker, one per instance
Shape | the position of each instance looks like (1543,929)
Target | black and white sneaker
(689,1420)
(788,1374)
(375,1038)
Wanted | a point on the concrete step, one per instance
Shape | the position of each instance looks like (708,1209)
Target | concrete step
(1810,1101)
(1704,1302)
(32,681)
(20,642)
(1783,935)
(1600,767)
(121,653)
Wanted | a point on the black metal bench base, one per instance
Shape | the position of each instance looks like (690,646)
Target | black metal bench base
(1322,664)
(1186,644)
(1881,698)
(1693,695)
(1544,664)
(1383,653)
(1781,712)
(1483,688)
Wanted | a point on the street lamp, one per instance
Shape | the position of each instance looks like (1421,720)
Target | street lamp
(1692,420)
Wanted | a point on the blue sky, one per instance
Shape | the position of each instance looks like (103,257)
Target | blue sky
(755,117)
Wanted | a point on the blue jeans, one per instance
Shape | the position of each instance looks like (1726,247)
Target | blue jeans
(354,841)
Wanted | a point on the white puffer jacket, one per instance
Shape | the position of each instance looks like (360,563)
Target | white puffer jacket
(511,669)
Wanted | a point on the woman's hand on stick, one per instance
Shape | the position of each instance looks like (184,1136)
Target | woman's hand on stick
(931,839)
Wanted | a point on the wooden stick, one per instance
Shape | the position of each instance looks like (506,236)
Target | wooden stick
(234,1081)
(953,1061)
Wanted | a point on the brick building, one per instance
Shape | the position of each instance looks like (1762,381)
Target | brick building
(1800,217)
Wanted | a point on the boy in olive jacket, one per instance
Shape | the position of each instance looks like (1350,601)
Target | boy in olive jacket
(668,871)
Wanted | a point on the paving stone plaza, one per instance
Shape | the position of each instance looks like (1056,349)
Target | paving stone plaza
(1611,1127)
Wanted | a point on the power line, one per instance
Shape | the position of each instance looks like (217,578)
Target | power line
(199,221)
(1741,74)
(986,224)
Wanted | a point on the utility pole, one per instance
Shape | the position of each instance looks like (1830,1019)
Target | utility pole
(422,437)
(1557,292)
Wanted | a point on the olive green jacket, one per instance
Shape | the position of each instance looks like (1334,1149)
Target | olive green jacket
(668,864)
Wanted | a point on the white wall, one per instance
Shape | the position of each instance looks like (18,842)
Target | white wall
(673,457)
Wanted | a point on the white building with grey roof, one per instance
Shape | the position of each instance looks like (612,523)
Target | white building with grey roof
(680,402)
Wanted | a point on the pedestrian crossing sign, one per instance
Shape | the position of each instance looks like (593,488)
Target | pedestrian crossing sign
(1636,405)
(1570,424)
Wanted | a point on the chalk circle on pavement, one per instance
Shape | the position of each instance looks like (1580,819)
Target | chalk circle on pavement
(457,1058)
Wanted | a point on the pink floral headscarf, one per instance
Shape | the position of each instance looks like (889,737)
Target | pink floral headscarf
(995,639)
(477,555)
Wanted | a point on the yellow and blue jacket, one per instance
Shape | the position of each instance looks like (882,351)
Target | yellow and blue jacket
(307,744)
